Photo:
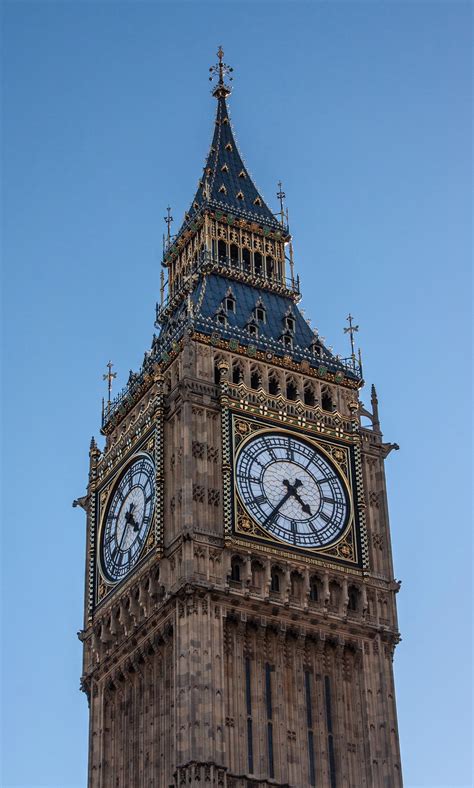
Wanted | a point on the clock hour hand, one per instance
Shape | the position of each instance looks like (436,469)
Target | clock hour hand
(129,518)
(292,488)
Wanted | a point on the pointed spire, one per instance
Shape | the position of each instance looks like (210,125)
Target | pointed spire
(226,184)
(375,408)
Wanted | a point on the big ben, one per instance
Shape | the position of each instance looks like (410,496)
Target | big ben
(240,617)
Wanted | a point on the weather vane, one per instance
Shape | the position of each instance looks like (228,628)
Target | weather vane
(109,377)
(351,330)
(220,70)
(281,196)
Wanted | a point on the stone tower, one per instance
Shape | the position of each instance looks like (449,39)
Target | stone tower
(240,616)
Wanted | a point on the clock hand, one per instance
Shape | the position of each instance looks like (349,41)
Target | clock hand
(277,507)
(292,491)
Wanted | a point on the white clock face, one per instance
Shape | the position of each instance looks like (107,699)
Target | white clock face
(292,490)
(128,519)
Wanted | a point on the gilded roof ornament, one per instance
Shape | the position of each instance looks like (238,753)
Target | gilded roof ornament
(219,71)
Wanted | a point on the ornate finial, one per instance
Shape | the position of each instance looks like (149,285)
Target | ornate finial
(168,221)
(351,330)
(109,376)
(281,196)
(220,70)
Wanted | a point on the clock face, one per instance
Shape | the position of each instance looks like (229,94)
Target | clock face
(128,519)
(292,490)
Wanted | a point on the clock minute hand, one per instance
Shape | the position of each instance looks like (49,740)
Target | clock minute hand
(292,491)
(277,507)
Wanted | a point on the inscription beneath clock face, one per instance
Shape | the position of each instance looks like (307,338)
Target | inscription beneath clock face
(128,519)
(292,490)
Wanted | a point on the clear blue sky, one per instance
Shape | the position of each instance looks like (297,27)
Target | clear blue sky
(363,110)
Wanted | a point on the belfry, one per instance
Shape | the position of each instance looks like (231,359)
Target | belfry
(240,617)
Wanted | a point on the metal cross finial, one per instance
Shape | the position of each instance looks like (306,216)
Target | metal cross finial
(351,330)
(220,70)
(281,196)
(168,219)
(109,377)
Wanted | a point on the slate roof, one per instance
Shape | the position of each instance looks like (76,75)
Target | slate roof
(225,170)
(208,299)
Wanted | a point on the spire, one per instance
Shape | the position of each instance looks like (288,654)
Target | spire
(226,184)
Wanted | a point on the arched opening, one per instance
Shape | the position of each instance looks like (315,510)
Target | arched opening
(353,595)
(236,569)
(313,589)
(273,385)
(326,400)
(275,584)
(222,251)
(234,255)
(237,372)
(334,595)
(255,379)
(291,389)
(217,374)
(269,264)
(246,259)
(309,398)
(257,264)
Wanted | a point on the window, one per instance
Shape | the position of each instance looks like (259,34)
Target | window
(217,375)
(246,259)
(269,266)
(252,329)
(275,581)
(234,255)
(221,250)
(237,373)
(287,341)
(228,147)
(313,590)
(222,189)
(230,304)
(224,168)
(242,174)
(290,323)
(260,313)
(235,571)
(255,379)
(221,318)
(309,398)
(240,196)
(326,400)
(257,264)
(257,201)
(273,385)
(353,595)
(291,390)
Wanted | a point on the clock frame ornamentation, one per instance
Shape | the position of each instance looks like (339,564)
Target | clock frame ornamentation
(339,452)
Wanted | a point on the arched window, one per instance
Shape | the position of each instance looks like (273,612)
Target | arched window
(326,400)
(237,372)
(313,589)
(234,255)
(269,266)
(257,264)
(236,570)
(217,374)
(246,259)
(309,398)
(255,379)
(291,389)
(296,585)
(353,594)
(273,385)
(275,581)
(221,251)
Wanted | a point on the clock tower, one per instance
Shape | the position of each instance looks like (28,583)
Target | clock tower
(240,617)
